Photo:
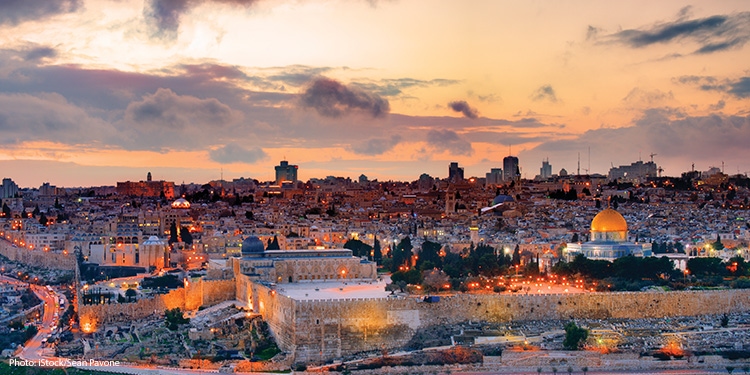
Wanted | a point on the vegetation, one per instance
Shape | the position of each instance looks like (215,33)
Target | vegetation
(575,336)
(173,318)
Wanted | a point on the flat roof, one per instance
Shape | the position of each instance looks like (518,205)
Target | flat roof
(312,290)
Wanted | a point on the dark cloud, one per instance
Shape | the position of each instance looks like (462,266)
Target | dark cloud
(164,15)
(448,140)
(331,98)
(235,153)
(740,88)
(718,106)
(463,107)
(39,53)
(544,92)
(713,34)
(377,146)
(14,12)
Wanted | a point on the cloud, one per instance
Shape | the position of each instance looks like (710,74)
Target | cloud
(164,15)
(47,117)
(544,92)
(739,88)
(235,153)
(39,53)
(14,12)
(377,146)
(463,107)
(712,34)
(331,98)
(395,87)
(448,140)
(667,132)
(718,106)
(653,98)
(164,119)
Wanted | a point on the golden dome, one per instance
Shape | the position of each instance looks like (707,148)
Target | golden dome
(609,220)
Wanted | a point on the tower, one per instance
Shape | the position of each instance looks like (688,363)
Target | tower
(286,172)
(510,169)
(450,202)
(455,173)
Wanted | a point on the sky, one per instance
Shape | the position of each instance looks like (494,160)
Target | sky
(98,91)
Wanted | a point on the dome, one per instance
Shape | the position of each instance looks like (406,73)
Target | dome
(609,220)
(252,245)
(502,199)
(153,240)
(181,203)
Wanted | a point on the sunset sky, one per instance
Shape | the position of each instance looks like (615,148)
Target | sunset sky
(93,91)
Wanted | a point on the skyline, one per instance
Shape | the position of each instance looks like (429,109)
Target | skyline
(93,92)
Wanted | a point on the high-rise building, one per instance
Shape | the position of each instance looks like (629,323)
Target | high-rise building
(494,177)
(455,173)
(286,172)
(510,168)
(546,170)
(9,188)
(635,172)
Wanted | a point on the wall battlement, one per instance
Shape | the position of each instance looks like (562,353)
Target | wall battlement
(319,330)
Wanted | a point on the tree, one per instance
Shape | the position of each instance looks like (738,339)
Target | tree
(274,245)
(173,233)
(6,210)
(185,236)
(717,245)
(36,211)
(43,219)
(130,293)
(516,260)
(575,336)
(435,280)
(377,252)
(430,253)
(173,318)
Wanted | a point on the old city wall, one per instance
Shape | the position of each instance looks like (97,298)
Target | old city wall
(37,258)
(196,294)
(328,329)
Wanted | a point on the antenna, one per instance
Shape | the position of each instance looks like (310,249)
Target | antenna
(652,157)
(578,171)
(589,166)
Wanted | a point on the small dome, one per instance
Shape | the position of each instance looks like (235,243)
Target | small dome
(252,245)
(181,203)
(502,199)
(153,240)
(609,220)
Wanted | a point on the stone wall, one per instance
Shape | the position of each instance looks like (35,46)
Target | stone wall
(37,258)
(196,294)
(319,330)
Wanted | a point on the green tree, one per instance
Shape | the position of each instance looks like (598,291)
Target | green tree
(173,233)
(717,245)
(6,211)
(575,336)
(43,219)
(274,245)
(173,318)
(430,253)
(185,236)
(131,293)
(377,252)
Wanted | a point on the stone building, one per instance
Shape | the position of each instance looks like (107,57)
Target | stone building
(288,266)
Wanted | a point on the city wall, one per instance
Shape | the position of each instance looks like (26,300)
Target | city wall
(37,258)
(196,294)
(319,330)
